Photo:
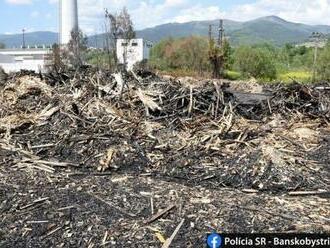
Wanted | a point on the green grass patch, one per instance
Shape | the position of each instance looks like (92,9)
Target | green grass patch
(300,76)
(232,75)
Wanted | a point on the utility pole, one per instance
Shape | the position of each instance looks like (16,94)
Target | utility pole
(216,51)
(210,33)
(108,36)
(221,47)
(316,38)
(23,45)
(221,31)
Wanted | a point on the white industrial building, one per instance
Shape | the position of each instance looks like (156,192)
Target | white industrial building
(130,52)
(12,60)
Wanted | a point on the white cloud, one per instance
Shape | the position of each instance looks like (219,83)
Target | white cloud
(199,13)
(148,13)
(175,3)
(305,11)
(29,30)
(18,2)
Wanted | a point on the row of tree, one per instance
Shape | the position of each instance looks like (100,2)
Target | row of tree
(263,61)
(323,65)
(193,54)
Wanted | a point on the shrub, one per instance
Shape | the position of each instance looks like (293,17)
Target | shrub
(188,54)
(255,62)
(323,63)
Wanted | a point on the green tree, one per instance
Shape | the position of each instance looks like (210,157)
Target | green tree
(55,62)
(187,54)
(2,45)
(216,58)
(227,54)
(256,62)
(295,57)
(125,25)
(323,63)
(158,56)
(191,54)
(76,48)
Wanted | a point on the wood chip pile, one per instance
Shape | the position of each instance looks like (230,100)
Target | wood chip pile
(91,158)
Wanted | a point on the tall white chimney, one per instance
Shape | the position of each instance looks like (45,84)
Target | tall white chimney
(68,20)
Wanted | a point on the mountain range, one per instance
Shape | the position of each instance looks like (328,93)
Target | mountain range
(271,29)
(34,38)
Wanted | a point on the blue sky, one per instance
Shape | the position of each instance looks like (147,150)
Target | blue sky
(35,15)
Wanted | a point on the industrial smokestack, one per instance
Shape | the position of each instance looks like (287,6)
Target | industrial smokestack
(68,20)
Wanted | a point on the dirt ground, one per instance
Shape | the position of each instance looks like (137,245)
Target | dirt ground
(98,160)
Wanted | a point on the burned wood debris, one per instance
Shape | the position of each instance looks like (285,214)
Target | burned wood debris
(92,159)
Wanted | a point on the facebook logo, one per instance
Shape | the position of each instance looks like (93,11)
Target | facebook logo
(214,240)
